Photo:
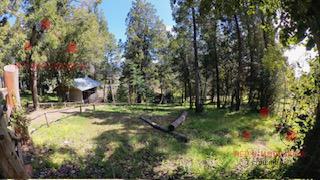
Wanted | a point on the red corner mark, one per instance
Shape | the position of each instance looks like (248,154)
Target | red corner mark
(45,24)
(264,112)
(246,135)
(291,135)
(27,46)
(72,48)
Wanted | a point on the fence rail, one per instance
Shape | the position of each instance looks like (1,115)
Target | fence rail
(56,104)
(74,105)
(48,122)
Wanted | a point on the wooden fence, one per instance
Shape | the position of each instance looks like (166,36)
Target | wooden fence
(47,123)
(73,105)
(56,104)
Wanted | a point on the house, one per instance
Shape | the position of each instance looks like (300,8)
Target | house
(82,89)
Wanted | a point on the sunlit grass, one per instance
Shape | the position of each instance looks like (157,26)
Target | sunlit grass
(125,146)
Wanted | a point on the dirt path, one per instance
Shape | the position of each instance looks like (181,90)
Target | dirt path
(38,118)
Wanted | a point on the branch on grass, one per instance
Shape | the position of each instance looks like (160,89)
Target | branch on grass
(178,136)
(176,123)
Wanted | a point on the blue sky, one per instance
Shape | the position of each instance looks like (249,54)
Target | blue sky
(116,12)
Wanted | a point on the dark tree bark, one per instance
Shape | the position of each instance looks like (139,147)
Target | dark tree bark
(33,69)
(251,55)
(238,82)
(204,92)
(216,67)
(188,82)
(199,107)
(264,33)
(105,100)
(190,95)
(130,90)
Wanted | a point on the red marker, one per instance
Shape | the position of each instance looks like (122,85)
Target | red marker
(45,24)
(246,135)
(72,48)
(291,135)
(264,112)
(27,46)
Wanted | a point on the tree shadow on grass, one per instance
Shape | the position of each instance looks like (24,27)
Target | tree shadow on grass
(135,150)
(132,151)
(116,157)
(218,126)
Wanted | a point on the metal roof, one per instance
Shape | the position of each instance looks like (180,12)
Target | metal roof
(86,83)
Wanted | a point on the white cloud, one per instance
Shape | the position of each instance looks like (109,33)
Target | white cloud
(298,57)
(169,28)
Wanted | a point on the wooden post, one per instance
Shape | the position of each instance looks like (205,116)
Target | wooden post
(11,162)
(94,107)
(11,80)
(45,115)
(11,165)
(51,105)
(80,109)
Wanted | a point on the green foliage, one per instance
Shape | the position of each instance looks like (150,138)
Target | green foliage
(146,47)
(301,20)
(273,60)
(299,114)
(21,124)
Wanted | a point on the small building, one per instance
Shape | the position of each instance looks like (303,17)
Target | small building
(82,89)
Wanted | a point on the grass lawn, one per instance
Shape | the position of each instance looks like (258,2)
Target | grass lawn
(26,97)
(113,143)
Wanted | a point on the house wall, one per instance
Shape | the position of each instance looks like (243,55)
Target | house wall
(75,95)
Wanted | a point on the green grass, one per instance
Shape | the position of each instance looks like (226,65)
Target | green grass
(26,97)
(113,143)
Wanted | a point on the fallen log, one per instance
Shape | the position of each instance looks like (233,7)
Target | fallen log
(178,121)
(176,135)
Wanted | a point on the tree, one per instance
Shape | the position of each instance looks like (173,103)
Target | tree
(143,47)
(53,39)
(182,10)
(300,20)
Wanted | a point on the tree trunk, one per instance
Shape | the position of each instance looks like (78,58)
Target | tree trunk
(34,89)
(232,101)
(188,81)
(227,95)
(33,69)
(113,95)
(139,98)
(264,33)
(216,66)
(129,93)
(161,91)
(238,82)
(251,55)
(185,91)
(199,108)
(104,92)
(204,93)
(190,95)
